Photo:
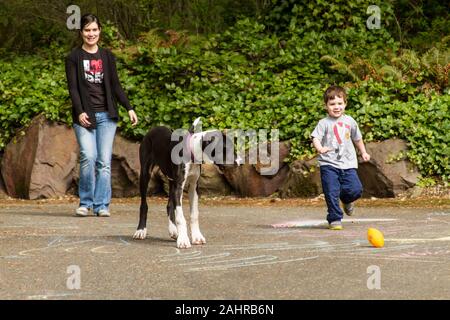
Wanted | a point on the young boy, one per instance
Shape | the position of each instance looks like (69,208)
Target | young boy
(332,139)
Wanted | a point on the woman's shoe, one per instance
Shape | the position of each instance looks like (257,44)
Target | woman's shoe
(81,212)
(103,213)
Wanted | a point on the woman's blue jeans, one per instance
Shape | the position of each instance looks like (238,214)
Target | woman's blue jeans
(96,145)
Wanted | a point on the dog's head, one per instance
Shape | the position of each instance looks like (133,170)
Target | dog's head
(217,148)
(212,146)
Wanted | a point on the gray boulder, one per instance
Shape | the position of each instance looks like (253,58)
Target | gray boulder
(303,180)
(388,173)
(125,168)
(247,180)
(212,182)
(40,163)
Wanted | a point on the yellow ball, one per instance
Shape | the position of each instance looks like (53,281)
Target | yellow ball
(375,237)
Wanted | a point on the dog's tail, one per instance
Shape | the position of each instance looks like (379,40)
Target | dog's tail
(196,125)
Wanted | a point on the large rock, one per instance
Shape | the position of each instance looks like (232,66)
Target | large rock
(388,173)
(248,181)
(303,180)
(44,163)
(212,182)
(40,163)
(125,168)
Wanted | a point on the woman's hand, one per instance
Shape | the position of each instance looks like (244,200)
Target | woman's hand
(133,117)
(84,120)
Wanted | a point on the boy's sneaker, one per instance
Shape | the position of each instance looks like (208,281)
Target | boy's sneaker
(335,225)
(81,212)
(103,213)
(349,208)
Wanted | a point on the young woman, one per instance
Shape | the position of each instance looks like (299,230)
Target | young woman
(94,87)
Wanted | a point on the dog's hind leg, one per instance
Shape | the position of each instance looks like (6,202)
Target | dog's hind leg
(196,235)
(173,233)
(146,167)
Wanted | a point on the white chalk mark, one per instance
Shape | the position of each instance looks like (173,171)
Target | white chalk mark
(209,259)
(12,257)
(183,256)
(278,232)
(420,240)
(239,261)
(124,241)
(376,251)
(391,258)
(316,245)
(262,258)
(50,295)
(56,240)
(266,261)
(99,249)
(177,252)
(439,213)
(25,252)
(318,223)
(61,244)
(312,248)
(430,219)
(255,246)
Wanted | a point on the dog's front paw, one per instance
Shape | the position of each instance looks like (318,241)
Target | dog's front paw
(140,234)
(183,242)
(198,238)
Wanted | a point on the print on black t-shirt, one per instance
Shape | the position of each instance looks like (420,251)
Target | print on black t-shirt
(93,74)
(93,70)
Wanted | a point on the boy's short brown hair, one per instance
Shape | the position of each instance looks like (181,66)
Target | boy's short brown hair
(334,91)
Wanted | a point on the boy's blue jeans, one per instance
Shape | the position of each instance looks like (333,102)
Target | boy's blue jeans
(343,184)
(96,145)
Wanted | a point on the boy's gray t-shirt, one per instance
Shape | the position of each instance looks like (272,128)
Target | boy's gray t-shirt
(338,134)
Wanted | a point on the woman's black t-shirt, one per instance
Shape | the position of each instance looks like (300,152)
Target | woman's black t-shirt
(93,75)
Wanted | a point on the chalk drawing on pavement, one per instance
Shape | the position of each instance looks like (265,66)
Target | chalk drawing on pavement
(324,223)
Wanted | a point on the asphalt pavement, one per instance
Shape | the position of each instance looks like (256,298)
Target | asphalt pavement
(252,252)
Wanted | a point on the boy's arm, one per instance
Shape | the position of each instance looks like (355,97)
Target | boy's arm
(358,141)
(317,135)
(318,146)
(362,149)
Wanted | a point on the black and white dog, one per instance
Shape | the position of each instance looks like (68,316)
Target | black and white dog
(182,169)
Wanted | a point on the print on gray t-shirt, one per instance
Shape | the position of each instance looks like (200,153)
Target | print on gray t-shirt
(338,135)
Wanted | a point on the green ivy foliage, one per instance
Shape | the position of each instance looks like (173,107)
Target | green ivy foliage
(31,85)
(253,76)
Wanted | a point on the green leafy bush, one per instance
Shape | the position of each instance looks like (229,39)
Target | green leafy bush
(256,76)
(32,85)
